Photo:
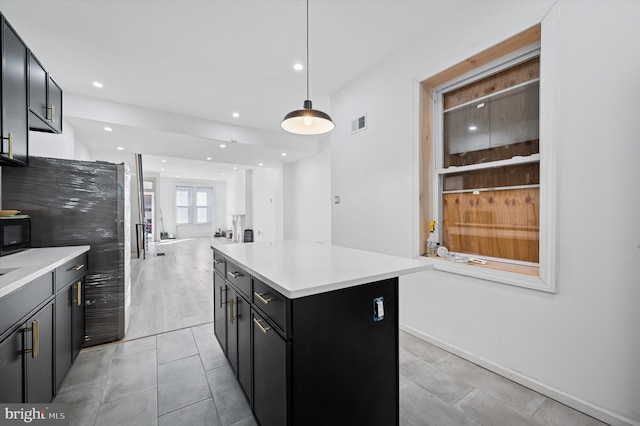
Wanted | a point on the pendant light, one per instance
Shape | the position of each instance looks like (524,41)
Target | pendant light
(307,121)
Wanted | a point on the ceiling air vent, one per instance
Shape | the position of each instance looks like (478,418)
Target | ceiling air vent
(359,124)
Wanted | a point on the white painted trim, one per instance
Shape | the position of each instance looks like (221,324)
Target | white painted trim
(572,401)
(415,171)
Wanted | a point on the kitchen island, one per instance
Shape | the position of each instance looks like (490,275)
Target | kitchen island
(311,330)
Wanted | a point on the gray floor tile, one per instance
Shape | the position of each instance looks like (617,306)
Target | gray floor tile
(419,407)
(422,349)
(84,401)
(181,383)
(210,351)
(138,410)
(228,396)
(135,346)
(91,366)
(248,421)
(517,397)
(489,411)
(445,386)
(553,413)
(203,413)
(131,374)
(175,345)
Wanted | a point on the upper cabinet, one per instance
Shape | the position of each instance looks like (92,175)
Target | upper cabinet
(14,123)
(31,99)
(45,99)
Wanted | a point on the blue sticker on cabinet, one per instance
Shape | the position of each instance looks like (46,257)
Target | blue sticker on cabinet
(378,308)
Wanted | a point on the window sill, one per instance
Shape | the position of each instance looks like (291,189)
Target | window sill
(515,275)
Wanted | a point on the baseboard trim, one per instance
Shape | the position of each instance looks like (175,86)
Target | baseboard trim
(572,401)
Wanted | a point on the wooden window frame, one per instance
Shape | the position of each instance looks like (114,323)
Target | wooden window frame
(524,43)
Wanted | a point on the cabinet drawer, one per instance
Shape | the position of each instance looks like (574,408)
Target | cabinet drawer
(18,304)
(239,278)
(269,301)
(70,271)
(219,263)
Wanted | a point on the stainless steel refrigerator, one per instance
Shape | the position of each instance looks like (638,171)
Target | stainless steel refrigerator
(81,203)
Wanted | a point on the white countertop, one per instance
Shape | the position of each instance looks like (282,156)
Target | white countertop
(298,268)
(23,267)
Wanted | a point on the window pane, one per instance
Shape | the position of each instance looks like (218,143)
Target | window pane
(183,215)
(202,215)
(203,198)
(183,197)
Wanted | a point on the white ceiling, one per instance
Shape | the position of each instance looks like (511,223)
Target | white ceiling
(210,58)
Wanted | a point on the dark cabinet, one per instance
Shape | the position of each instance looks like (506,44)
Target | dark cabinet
(45,99)
(39,355)
(11,372)
(220,310)
(69,328)
(239,338)
(26,370)
(269,373)
(13,87)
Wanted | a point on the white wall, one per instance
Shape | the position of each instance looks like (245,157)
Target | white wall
(581,345)
(264,187)
(310,195)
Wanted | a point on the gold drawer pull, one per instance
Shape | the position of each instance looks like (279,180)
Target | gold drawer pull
(79,293)
(35,339)
(235,274)
(9,153)
(262,299)
(77,267)
(265,330)
(218,261)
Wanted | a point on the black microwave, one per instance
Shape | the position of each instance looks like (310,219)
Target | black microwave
(15,234)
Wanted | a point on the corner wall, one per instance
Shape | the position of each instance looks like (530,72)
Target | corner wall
(581,345)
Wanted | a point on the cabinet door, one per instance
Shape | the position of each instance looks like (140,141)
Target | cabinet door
(11,368)
(220,310)
(55,103)
(269,374)
(39,339)
(37,93)
(232,329)
(243,309)
(63,358)
(77,318)
(15,126)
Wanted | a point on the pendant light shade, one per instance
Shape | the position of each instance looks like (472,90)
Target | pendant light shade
(307,121)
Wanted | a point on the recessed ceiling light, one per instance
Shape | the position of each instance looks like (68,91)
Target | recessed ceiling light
(108,129)
(97,84)
(223,174)
(209,158)
(235,168)
(164,161)
(222,145)
(177,176)
(260,164)
(472,128)
(298,67)
(162,170)
(284,154)
(120,148)
(235,115)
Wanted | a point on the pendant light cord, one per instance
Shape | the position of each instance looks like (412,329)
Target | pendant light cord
(307,49)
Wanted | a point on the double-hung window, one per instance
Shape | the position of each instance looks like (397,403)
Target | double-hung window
(194,205)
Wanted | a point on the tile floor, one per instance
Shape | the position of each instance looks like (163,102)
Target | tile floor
(170,370)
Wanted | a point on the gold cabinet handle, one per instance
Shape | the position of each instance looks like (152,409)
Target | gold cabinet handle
(265,330)
(262,299)
(77,267)
(221,290)
(9,153)
(234,274)
(79,293)
(35,339)
(217,261)
(53,113)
